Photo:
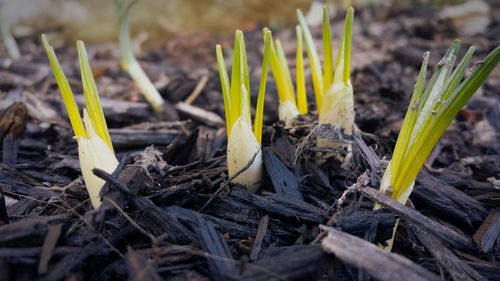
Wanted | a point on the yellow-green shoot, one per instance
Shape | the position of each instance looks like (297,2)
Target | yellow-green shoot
(130,63)
(289,106)
(332,85)
(244,156)
(95,149)
(432,108)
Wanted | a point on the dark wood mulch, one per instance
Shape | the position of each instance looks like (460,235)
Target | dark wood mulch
(169,212)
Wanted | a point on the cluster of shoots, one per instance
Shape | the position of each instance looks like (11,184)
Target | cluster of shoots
(95,149)
(432,108)
(244,155)
(331,82)
(130,63)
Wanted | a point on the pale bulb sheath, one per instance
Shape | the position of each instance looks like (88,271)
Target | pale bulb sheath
(94,153)
(337,108)
(288,112)
(241,148)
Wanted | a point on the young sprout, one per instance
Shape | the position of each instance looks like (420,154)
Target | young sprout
(316,70)
(244,156)
(289,106)
(332,89)
(9,41)
(432,108)
(95,149)
(337,106)
(129,62)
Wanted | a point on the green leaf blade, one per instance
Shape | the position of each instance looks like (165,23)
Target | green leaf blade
(226,87)
(259,110)
(92,101)
(66,92)
(327,50)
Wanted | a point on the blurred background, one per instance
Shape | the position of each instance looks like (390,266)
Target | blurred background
(174,41)
(95,20)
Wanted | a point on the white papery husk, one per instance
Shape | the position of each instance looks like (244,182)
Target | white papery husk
(94,153)
(242,146)
(288,112)
(337,108)
(337,111)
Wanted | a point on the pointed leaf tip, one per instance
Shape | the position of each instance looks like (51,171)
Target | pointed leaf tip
(65,89)
(92,102)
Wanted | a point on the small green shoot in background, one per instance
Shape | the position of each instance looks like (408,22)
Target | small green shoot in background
(128,60)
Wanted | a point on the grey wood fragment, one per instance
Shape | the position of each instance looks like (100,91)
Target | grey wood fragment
(456,268)
(284,181)
(447,235)
(140,267)
(488,233)
(375,261)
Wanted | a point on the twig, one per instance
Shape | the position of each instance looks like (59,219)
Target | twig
(361,182)
(112,181)
(153,239)
(197,91)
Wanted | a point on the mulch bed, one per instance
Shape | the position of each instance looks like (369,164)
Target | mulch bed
(169,212)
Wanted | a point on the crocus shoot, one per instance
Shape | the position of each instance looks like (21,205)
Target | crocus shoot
(129,62)
(289,106)
(332,86)
(244,155)
(95,149)
(432,108)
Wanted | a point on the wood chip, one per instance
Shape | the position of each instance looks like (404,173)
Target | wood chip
(48,247)
(301,262)
(140,267)
(284,181)
(199,114)
(257,244)
(489,232)
(456,268)
(373,260)
(445,234)
(220,261)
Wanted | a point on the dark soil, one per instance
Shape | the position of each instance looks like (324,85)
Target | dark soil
(169,212)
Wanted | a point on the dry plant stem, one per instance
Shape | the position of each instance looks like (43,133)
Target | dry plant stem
(197,91)
(362,181)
